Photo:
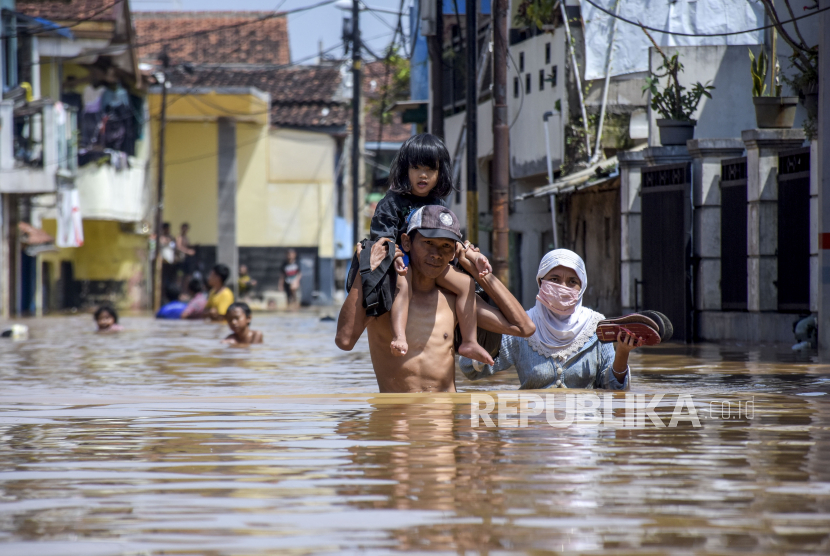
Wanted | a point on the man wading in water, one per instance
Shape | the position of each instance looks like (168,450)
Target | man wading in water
(428,365)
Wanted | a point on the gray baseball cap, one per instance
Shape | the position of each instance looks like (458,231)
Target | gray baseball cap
(435,221)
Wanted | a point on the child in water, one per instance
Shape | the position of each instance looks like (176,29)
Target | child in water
(239,320)
(107,319)
(421,175)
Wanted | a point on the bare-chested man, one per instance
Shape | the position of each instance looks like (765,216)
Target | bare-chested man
(428,366)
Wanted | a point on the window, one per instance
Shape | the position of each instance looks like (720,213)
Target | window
(547,53)
(527,84)
(541,80)
(553,76)
(515,87)
(521,61)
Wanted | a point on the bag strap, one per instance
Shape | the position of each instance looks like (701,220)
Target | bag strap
(372,278)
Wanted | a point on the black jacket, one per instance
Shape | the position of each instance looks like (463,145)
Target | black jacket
(392,212)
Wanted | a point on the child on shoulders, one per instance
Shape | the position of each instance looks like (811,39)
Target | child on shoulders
(421,175)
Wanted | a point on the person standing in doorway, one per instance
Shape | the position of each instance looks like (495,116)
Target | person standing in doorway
(167,246)
(184,255)
(291,278)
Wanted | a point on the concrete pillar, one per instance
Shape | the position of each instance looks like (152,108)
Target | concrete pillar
(823,156)
(762,148)
(631,270)
(655,156)
(707,155)
(815,234)
(226,249)
(6,135)
(5,267)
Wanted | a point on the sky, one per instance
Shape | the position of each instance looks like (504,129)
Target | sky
(305,29)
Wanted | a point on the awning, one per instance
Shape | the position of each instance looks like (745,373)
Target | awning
(38,25)
(597,174)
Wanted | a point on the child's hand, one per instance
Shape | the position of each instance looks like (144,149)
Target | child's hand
(481,263)
(400,268)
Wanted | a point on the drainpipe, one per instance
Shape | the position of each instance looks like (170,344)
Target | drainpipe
(576,76)
(597,152)
(547,115)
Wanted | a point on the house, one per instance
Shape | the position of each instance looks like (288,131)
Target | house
(79,136)
(255,147)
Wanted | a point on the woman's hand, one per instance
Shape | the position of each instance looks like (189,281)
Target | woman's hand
(626,342)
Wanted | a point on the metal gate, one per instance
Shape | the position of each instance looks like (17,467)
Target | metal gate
(733,221)
(794,231)
(666,244)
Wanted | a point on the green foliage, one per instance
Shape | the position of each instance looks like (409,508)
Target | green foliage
(392,87)
(536,13)
(758,68)
(672,101)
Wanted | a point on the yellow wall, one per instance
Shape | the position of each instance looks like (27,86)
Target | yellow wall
(190,188)
(285,187)
(108,253)
(300,193)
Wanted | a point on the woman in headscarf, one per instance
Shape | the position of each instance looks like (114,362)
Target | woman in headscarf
(564,352)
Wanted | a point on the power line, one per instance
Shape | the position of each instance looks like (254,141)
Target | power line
(678,34)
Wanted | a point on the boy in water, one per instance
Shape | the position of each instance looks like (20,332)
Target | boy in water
(421,176)
(107,319)
(239,320)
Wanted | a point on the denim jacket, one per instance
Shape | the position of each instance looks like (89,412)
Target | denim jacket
(589,368)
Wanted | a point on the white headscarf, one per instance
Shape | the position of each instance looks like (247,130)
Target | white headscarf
(562,336)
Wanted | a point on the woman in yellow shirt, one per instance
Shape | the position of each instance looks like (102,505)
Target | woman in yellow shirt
(220,296)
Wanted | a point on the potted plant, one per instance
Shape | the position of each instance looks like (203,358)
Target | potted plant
(674,102)
(771,111)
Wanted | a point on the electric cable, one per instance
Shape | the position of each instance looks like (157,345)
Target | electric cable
(51,28)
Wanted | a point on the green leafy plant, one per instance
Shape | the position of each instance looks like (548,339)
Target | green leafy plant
(758,68)
(537,13)
(672,101)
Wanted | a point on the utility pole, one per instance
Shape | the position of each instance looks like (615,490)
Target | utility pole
(472,122)
(436,60)
(356,67)
(501,144)
(156,289)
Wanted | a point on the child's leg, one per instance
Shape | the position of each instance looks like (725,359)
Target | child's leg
(400,314)
(463,286)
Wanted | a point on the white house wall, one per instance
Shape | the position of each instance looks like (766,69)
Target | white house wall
(527,134)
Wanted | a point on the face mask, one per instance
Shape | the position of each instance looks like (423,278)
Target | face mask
(560,299)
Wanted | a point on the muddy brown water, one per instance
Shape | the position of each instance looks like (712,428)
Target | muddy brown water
(159,440)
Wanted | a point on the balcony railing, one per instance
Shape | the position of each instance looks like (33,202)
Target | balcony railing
(38,146)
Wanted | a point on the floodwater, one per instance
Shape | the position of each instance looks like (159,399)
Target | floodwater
(159,440)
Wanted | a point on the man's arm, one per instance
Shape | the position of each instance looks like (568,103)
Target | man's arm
(510,317)
(352,320)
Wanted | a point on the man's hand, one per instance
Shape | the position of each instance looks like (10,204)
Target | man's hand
(379,251)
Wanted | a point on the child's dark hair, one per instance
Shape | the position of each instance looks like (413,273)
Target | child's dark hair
(195,286)
(427,150)
(173,292)
(222,271)
(239,305)
(106,309)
